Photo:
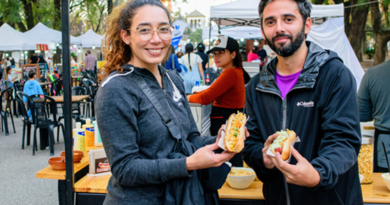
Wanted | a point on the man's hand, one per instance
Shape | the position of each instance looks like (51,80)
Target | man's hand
(302,174)
(266,158)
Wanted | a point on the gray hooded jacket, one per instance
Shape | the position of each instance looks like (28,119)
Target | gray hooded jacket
(135,139)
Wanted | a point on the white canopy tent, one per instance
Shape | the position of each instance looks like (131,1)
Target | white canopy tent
(13,40)
(45,35)
(329,35)
(90,39)
(245,12)
(234,32)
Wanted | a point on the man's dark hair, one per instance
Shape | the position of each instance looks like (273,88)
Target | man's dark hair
(200,47)
(304,8)
(88,51)
(31,74)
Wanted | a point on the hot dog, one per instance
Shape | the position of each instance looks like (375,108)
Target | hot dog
(282,143)
(235,132)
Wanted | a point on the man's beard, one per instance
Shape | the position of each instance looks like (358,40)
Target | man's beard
(289,49)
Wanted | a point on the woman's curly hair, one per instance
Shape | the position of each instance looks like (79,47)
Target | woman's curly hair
(115,51)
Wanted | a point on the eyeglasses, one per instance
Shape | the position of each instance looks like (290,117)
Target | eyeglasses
(217,53)
(146,32)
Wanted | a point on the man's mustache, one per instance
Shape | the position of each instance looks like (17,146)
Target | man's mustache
(281,35)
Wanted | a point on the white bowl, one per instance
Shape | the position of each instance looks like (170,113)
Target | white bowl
(386,179)
(241,182)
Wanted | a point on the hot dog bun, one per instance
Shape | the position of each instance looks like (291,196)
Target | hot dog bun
(235,132)
(283,140)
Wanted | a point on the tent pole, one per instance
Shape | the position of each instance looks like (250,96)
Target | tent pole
(210,33)
(67,102)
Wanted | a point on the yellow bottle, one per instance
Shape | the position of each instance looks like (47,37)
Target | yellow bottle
(78,138)
(89,133)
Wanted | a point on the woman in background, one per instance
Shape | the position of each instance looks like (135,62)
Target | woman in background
(252,55)
(172,61)
(227,93)
(194,64)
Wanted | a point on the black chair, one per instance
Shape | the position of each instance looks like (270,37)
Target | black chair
(26,120)
(91,91)
(39,105)
(7,94)
(76,110)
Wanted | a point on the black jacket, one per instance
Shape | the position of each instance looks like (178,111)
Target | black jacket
(322,109)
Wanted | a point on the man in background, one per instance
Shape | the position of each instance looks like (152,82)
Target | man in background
(33,59)
(373,101)
(90,61)
(262,55)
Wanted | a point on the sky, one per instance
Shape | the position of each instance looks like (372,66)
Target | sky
(203,6)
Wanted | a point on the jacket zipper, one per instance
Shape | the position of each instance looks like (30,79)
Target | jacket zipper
(166,98)
(284,124)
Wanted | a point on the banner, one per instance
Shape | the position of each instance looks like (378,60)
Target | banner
(42,47)
(180,27)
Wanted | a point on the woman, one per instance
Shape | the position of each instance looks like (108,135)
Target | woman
(228,91)
(194,64)
(172,62)
(252,55)
(137,142)
(10,77)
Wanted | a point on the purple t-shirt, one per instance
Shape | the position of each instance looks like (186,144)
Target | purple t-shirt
(286,82)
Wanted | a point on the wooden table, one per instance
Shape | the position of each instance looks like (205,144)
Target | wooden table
(80,170)
(60,99)
(375,193)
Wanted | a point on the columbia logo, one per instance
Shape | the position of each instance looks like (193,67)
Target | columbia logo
(306,104)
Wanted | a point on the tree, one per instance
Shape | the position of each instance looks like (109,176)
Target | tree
(382,36)
(355,19)
(196,36)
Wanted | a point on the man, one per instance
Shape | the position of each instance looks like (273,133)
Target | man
(308,90)
(32,87)
(33,59)
(90,63)
(262,55)
(205,58)
(373,100)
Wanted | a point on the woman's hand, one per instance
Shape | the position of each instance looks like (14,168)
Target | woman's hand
(206,158)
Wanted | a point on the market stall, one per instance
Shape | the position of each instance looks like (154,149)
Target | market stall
(329,35)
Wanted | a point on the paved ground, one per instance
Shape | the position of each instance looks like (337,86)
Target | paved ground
(18,167)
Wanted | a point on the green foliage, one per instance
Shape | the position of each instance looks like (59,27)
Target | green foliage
(73,54)
(196,36)
(10,11)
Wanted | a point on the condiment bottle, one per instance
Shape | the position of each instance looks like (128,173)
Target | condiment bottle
(98,140)
(78,138)
(366,159)
(89,133)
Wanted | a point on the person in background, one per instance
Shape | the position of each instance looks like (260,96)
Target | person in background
(10,77)
(172,61)
(262,55)
(33,59)
(179,54)
(205,58)
(8,62)
(12,60)
(227,93)
(90,62)
(31,87)
(373,101)
(2,68)
(252,55)
(41,59)
(195,70)
(138,144)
